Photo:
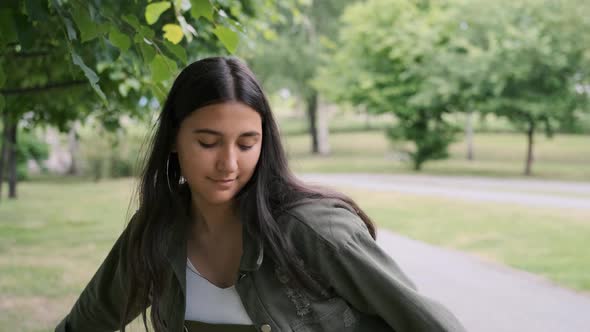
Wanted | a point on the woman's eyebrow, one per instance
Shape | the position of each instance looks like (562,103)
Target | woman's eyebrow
(218,133)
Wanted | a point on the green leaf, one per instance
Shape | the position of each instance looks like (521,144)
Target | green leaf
(7,26)
(154,10)
(177,50)
(2,76)
(88,29)
(147,51)
(162,68)
(119,39)
(228,37)
(158,91)
(138,38)
(90,74)
(133,21)
(2,102)
(202,8)
(103,29)
(237,26)
(173,32)
(25,31)
(37,10)
(146,32)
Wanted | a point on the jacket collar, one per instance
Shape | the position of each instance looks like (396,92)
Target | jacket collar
(252,251)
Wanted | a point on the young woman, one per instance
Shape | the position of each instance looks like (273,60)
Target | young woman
(227,239)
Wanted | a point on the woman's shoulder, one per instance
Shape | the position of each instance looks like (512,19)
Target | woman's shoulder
(329,220)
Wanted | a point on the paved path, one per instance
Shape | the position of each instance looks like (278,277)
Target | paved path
(488,297)
(537,193)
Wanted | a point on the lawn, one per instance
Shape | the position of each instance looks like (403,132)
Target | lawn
(565,157)
(54,237)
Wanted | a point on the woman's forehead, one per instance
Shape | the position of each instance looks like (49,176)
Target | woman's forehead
(227,117)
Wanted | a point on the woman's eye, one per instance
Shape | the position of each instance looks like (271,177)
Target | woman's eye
(205,145)
(211,145)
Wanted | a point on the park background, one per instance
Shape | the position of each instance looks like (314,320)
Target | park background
(449,89)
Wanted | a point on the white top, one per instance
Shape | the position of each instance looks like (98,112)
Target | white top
(208,303)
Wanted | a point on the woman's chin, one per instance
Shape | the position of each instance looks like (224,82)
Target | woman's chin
(219,198)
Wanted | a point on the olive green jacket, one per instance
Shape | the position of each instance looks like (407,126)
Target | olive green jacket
(355,286)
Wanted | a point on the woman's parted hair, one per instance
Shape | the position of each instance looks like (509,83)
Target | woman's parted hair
(163,201)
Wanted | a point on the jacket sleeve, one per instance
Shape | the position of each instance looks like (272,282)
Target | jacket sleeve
(100,305)
(370,280)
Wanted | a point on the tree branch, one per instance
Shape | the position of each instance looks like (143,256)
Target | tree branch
(43,88)
(29,54)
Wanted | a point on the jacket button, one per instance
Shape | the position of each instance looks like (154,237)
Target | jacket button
(265,328)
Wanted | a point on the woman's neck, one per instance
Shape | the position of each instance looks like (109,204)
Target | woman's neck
(213,220)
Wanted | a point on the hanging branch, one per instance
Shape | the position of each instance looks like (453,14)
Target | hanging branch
(43,88)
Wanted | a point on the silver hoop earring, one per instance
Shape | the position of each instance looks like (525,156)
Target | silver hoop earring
(182,180)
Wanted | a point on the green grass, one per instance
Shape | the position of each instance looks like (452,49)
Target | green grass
(565,157)
(54,237)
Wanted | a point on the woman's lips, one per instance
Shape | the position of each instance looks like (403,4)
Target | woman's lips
(223,180)
(223,183)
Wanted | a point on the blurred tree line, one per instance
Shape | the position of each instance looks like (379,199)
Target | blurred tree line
(526,60)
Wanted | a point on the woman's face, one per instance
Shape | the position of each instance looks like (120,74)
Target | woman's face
(218,148)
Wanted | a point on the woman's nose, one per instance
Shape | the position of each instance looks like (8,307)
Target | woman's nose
(227,161)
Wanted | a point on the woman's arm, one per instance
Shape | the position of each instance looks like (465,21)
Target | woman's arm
(100,305)
(342,251)
(368,278)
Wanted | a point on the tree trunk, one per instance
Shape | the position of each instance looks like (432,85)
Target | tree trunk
(323,131)
(73,146)
(368,125)
(4,149)
(312,109)
(529,155)
(469,135)
(417,165)
(12,161)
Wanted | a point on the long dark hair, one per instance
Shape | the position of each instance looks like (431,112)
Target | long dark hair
(163,201)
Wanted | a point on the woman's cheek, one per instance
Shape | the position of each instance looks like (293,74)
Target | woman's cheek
(254,159)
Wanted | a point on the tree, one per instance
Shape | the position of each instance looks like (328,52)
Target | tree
(378,61)
(61,61)
(527,61)
(290,55)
